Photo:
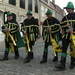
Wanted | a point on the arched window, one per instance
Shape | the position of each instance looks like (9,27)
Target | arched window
(1,0)
(22,18)
(22,4)
(30,5)
(13,2)
(36,6)
(0,20)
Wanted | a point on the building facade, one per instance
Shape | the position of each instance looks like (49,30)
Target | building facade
(20,7)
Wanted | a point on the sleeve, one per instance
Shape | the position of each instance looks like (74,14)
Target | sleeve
(15,28)
(57,21)
(3,27)
(44,30)
(37,29)
(23,28)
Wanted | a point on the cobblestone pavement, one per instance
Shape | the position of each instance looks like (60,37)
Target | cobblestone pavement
(17,67)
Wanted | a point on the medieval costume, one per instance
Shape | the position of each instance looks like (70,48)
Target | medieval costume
(68,29)
(30,26)
(13,38)
(53,25)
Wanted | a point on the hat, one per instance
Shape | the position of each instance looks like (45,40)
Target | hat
(9,13)
(29,12)
(48,12)
(69,5)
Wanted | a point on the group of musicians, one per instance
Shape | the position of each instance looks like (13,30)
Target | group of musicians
(30,30)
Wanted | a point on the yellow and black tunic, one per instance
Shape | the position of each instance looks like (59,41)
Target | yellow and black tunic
(70,18)
(31,28)
(14,32)
(66,36)
(13,26)
(54,25)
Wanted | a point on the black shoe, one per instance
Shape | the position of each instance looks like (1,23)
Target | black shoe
(27,59)
(16,57)
(16,52)
(60,66)
(4,58)
(55,59)
(43,61)
(72,65)
(31,55)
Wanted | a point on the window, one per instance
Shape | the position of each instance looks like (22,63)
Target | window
(22,4)
(42,13)
(1,0)
(46,1)
(13,2)
(22,18)
(36,6)
(30,5)
(46,10)
(0,20)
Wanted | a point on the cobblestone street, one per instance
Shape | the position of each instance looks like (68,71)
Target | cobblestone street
(17,67)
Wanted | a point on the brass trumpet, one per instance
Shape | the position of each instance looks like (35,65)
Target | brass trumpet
(27,41)
(8,34)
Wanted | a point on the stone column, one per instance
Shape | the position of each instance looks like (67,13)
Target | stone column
(53,1)
(6,1)
(33,5)
(26,4)
(18,3)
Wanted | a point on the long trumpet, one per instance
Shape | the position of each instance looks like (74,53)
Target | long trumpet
(27,41)
(8,34)
(51,38)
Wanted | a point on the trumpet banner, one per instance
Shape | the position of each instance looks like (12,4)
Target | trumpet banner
(20,42)
(72,45)
(56,47)
(11,47)
(27,42)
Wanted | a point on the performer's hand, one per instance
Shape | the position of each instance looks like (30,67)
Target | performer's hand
(71,32)
(8,30)
(25,32)
(37,39)
(68,25)
(49,30)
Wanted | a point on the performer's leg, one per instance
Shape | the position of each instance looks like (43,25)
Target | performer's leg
(72,59)
(56,39)
(55,57)
(16,52)
(65,44)
(72,63)
(30,54)
(6,52)
(45,53)
(31,48)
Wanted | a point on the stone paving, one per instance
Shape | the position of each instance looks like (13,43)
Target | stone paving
(17,67)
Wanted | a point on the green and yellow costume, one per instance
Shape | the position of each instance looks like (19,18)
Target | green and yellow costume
(30,25)
(53,25)
(67,37)
(13,39)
